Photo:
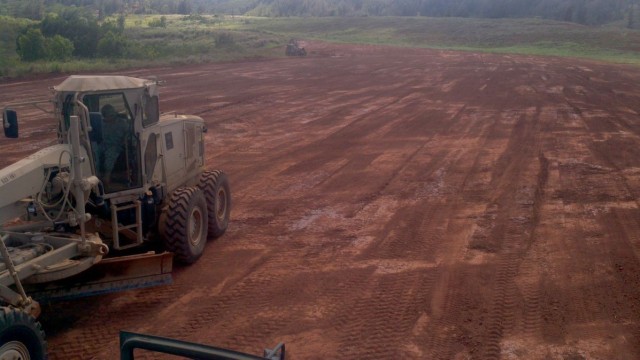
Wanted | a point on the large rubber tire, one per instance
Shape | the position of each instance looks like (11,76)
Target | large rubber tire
(216,190)
(21,336)
(185,224)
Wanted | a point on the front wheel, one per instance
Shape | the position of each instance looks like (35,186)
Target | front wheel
(21,336)
(185,224)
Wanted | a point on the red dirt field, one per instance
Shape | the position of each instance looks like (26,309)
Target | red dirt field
(396,203)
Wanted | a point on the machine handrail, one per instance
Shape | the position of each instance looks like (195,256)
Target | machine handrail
(130,341)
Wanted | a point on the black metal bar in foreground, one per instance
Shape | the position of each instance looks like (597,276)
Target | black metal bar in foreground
(130,341)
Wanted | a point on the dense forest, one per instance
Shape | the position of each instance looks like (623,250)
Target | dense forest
(592,12)
(589,12)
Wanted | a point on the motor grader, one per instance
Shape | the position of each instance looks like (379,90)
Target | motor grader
(123,184)
(294,49)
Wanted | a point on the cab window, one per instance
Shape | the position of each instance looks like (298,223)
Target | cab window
(116,148)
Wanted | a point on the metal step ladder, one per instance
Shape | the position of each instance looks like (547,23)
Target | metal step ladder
(135,228)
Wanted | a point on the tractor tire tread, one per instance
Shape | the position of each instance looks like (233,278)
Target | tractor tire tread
(176,227)
(18,325)
(209,182)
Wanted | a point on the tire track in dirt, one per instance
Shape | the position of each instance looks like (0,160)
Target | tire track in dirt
(100,331)
(617,152)
(528,273)
(531,323)
(218,309)
(454,300)
(328,137)
(216,316)
(112,313)
(576,303)
(514,228)
(476,183)
(391,296)
(405,246)
(255,295)
(410,232)
(623,229)
(419,241)
(531,291)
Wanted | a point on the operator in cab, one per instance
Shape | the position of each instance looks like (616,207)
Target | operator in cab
(114,129)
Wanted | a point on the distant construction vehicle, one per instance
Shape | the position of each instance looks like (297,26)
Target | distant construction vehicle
(121,177)
(294,49)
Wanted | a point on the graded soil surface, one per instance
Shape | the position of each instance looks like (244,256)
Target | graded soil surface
(396,203)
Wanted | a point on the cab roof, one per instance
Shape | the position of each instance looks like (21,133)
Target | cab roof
(85,83)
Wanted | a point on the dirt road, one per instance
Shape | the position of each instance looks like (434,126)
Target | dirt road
(397,204)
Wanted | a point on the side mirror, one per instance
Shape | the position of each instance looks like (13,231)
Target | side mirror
(10,123)
(152,110)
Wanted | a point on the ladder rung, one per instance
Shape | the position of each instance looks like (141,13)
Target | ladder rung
(126,207)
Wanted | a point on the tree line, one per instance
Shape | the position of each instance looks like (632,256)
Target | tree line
(73,32)
(589,12)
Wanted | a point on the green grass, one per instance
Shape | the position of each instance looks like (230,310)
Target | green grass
(191,39)
(612,43)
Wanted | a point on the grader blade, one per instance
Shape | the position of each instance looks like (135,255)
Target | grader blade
(110,275)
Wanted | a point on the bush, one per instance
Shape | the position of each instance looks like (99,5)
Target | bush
(199,19)
(162,22)
(76,25)
(109,26)
(121,22)
(224,40)
(31,45)
(58,48)
(140,51)
(112,45)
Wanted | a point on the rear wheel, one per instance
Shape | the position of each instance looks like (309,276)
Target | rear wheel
(21,336)
(185,224)
(216,190)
